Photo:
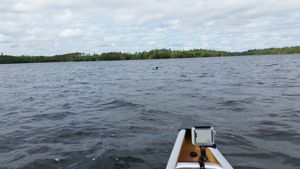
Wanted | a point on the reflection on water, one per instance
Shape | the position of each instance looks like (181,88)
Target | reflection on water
(124,114)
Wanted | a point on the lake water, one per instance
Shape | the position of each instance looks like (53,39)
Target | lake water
(124,114)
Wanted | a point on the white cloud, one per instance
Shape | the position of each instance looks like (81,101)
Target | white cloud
(113,39)
(4,38)
(70,33)
(135,25)
(63,16)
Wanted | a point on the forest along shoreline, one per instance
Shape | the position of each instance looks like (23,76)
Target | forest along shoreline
(153,54)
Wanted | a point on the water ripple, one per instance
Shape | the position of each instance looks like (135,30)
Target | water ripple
(123,114)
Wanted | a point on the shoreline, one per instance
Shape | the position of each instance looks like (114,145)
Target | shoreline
(153,54)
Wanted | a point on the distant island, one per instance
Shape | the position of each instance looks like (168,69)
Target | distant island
(153,54)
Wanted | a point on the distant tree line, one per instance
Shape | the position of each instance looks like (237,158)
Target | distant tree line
(153,54)
(271,51)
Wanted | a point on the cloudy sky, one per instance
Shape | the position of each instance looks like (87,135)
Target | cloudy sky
(47,27)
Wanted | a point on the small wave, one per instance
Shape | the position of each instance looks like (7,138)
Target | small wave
(275,131)
(82,83)
(51,116)
(202,75)
(118,104)
(255,155)
(118,160)
(292,94)
(236,105)
(184,80)
(271,65)
(29,99)
(38,149)
(153,115)
(238,140)
(70,135)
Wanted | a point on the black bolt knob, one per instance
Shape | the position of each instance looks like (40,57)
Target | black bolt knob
(194,154)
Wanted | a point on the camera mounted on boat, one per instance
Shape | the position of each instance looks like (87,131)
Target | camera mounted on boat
(203,136)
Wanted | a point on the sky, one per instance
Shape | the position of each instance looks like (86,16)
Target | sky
(48,27)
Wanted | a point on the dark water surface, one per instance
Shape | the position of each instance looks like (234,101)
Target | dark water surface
(123,114)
